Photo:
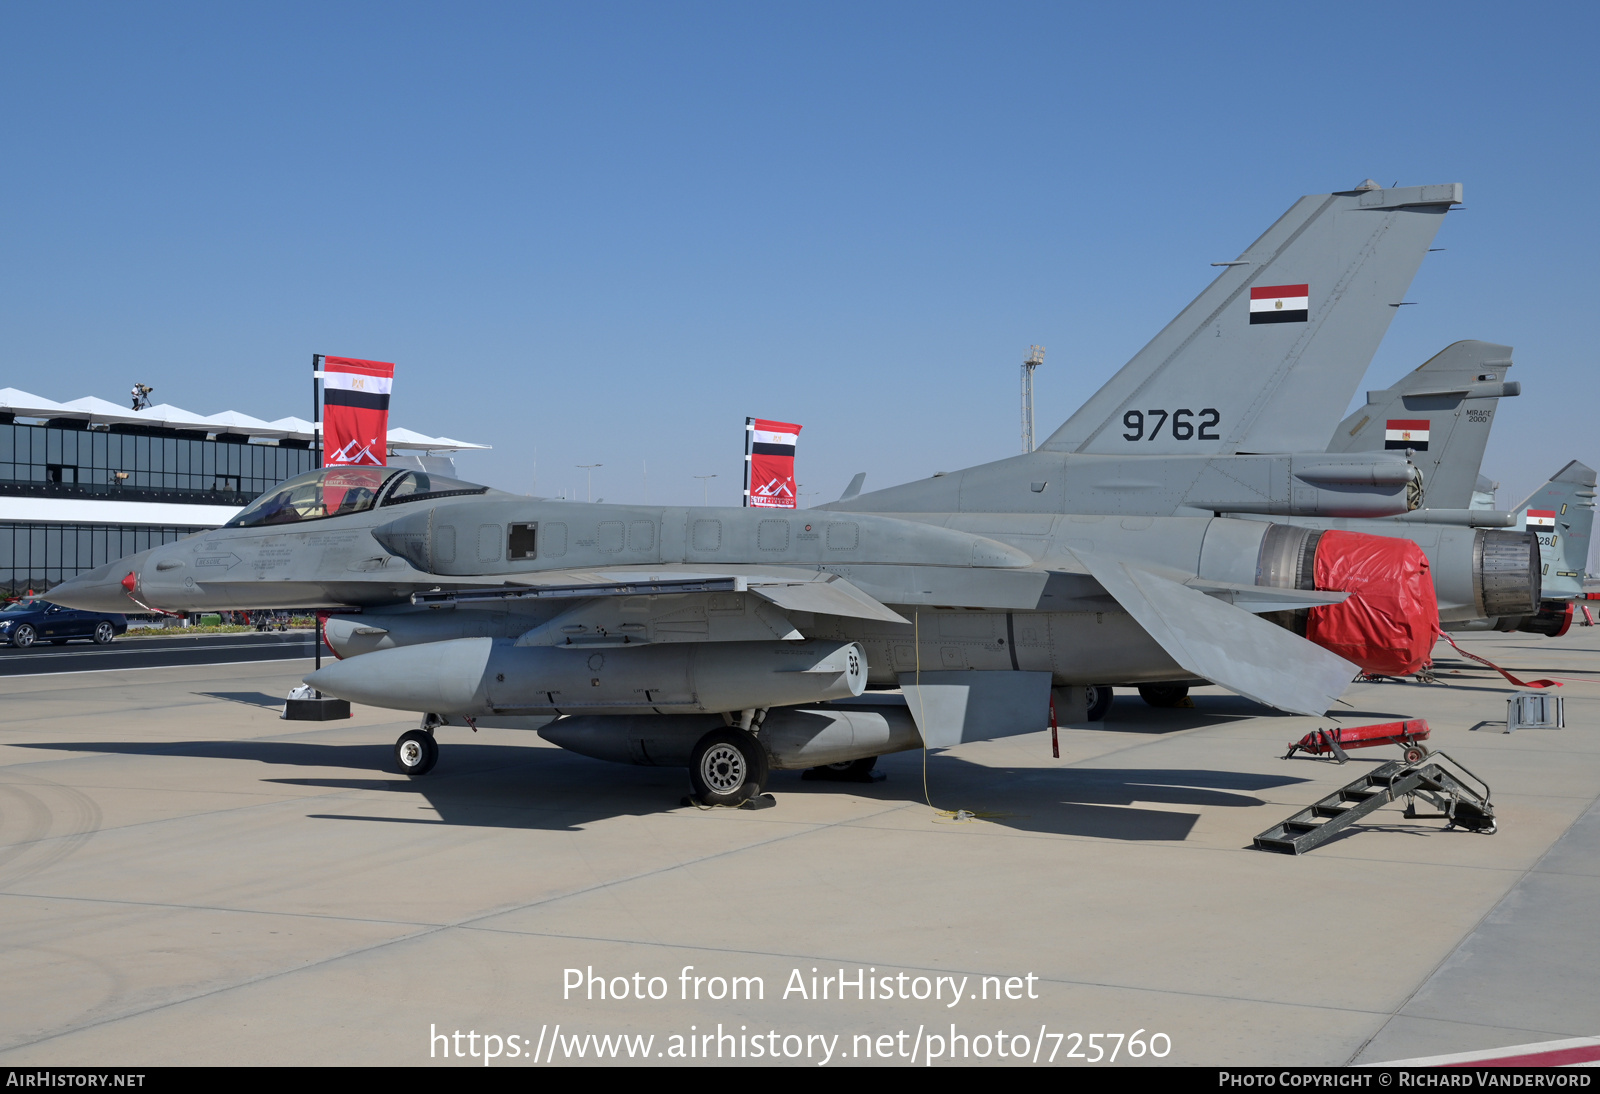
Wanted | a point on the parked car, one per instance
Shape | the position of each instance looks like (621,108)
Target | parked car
(25,622)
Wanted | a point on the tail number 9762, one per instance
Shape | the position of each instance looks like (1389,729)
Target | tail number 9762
(1184,425)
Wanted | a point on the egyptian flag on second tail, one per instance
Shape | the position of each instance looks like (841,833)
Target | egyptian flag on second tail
(355,411)
(1280,304)
(769,463)
(1540,520)
(1409,433)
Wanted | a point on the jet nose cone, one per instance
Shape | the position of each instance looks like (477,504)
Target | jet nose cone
(106,588)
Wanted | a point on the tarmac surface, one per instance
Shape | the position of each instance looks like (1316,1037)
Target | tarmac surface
(187,879)
(141,652)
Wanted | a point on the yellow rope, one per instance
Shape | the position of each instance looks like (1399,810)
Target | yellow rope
(960,816)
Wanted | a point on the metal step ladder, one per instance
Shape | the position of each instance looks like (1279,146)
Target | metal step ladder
(1451,792)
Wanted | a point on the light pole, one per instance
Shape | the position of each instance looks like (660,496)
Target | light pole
(589,467)
(705,488)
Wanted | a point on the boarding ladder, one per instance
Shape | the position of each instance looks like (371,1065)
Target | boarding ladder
(1459,796)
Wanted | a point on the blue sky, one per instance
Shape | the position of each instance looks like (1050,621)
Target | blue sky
(604,233)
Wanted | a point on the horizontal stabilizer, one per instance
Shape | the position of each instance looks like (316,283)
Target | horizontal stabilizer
(1461,518)
(1225,645)
(1266,598)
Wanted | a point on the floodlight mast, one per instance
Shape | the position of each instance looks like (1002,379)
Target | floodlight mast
(1035,359)
(589,467)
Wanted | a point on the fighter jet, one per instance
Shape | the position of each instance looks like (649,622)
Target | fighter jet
(1560,515)
(736,640)
(1439,415)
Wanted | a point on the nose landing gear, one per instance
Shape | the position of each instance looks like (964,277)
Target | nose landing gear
(416,752)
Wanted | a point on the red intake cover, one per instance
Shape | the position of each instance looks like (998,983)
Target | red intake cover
(1388,623)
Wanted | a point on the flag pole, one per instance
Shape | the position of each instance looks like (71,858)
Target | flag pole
(749,432)
(316,441)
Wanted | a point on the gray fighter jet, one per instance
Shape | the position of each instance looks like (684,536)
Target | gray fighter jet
(1560,515)
(1439,415)
(734,640)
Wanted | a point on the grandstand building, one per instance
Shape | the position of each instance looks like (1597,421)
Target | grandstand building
(86,482)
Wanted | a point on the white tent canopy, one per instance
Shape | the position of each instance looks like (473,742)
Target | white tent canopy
(97,411)
(13,401)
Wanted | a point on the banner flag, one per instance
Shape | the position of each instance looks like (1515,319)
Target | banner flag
(769,464)
(355,411)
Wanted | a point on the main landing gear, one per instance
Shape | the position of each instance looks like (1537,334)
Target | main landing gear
(1165,695)
(727,767)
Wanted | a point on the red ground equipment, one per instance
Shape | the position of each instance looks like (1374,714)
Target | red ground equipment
(1388,624)
(1408,735)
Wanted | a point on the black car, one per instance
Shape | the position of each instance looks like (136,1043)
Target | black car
(28,621)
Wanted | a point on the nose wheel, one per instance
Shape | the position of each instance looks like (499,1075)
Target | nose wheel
(416,752)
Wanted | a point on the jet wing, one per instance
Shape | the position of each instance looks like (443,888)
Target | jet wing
(1224,644)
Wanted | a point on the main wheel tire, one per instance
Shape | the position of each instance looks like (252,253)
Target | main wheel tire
(416,752)
(103,633)
(24,636)
(727,767)
(1164,695)
(1099,700)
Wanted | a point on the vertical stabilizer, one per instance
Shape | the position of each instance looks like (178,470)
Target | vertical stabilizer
(1561,514)
(1441,412)
(1270,353)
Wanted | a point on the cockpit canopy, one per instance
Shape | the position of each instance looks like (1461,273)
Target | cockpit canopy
(340,491)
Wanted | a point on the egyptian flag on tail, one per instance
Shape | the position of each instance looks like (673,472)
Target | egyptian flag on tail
(1280,304)
(1541,519)
(769,463)
(1409,433)
(355,411)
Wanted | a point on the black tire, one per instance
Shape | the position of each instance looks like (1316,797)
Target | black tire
(727,767)
(416,752)
(1099,699)
(854,769)
(24,636)
(1164,695)
(103,633)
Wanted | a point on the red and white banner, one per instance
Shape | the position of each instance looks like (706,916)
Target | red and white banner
(769,464)
(355,411)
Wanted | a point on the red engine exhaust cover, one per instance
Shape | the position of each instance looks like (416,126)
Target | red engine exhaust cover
(1389,622)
